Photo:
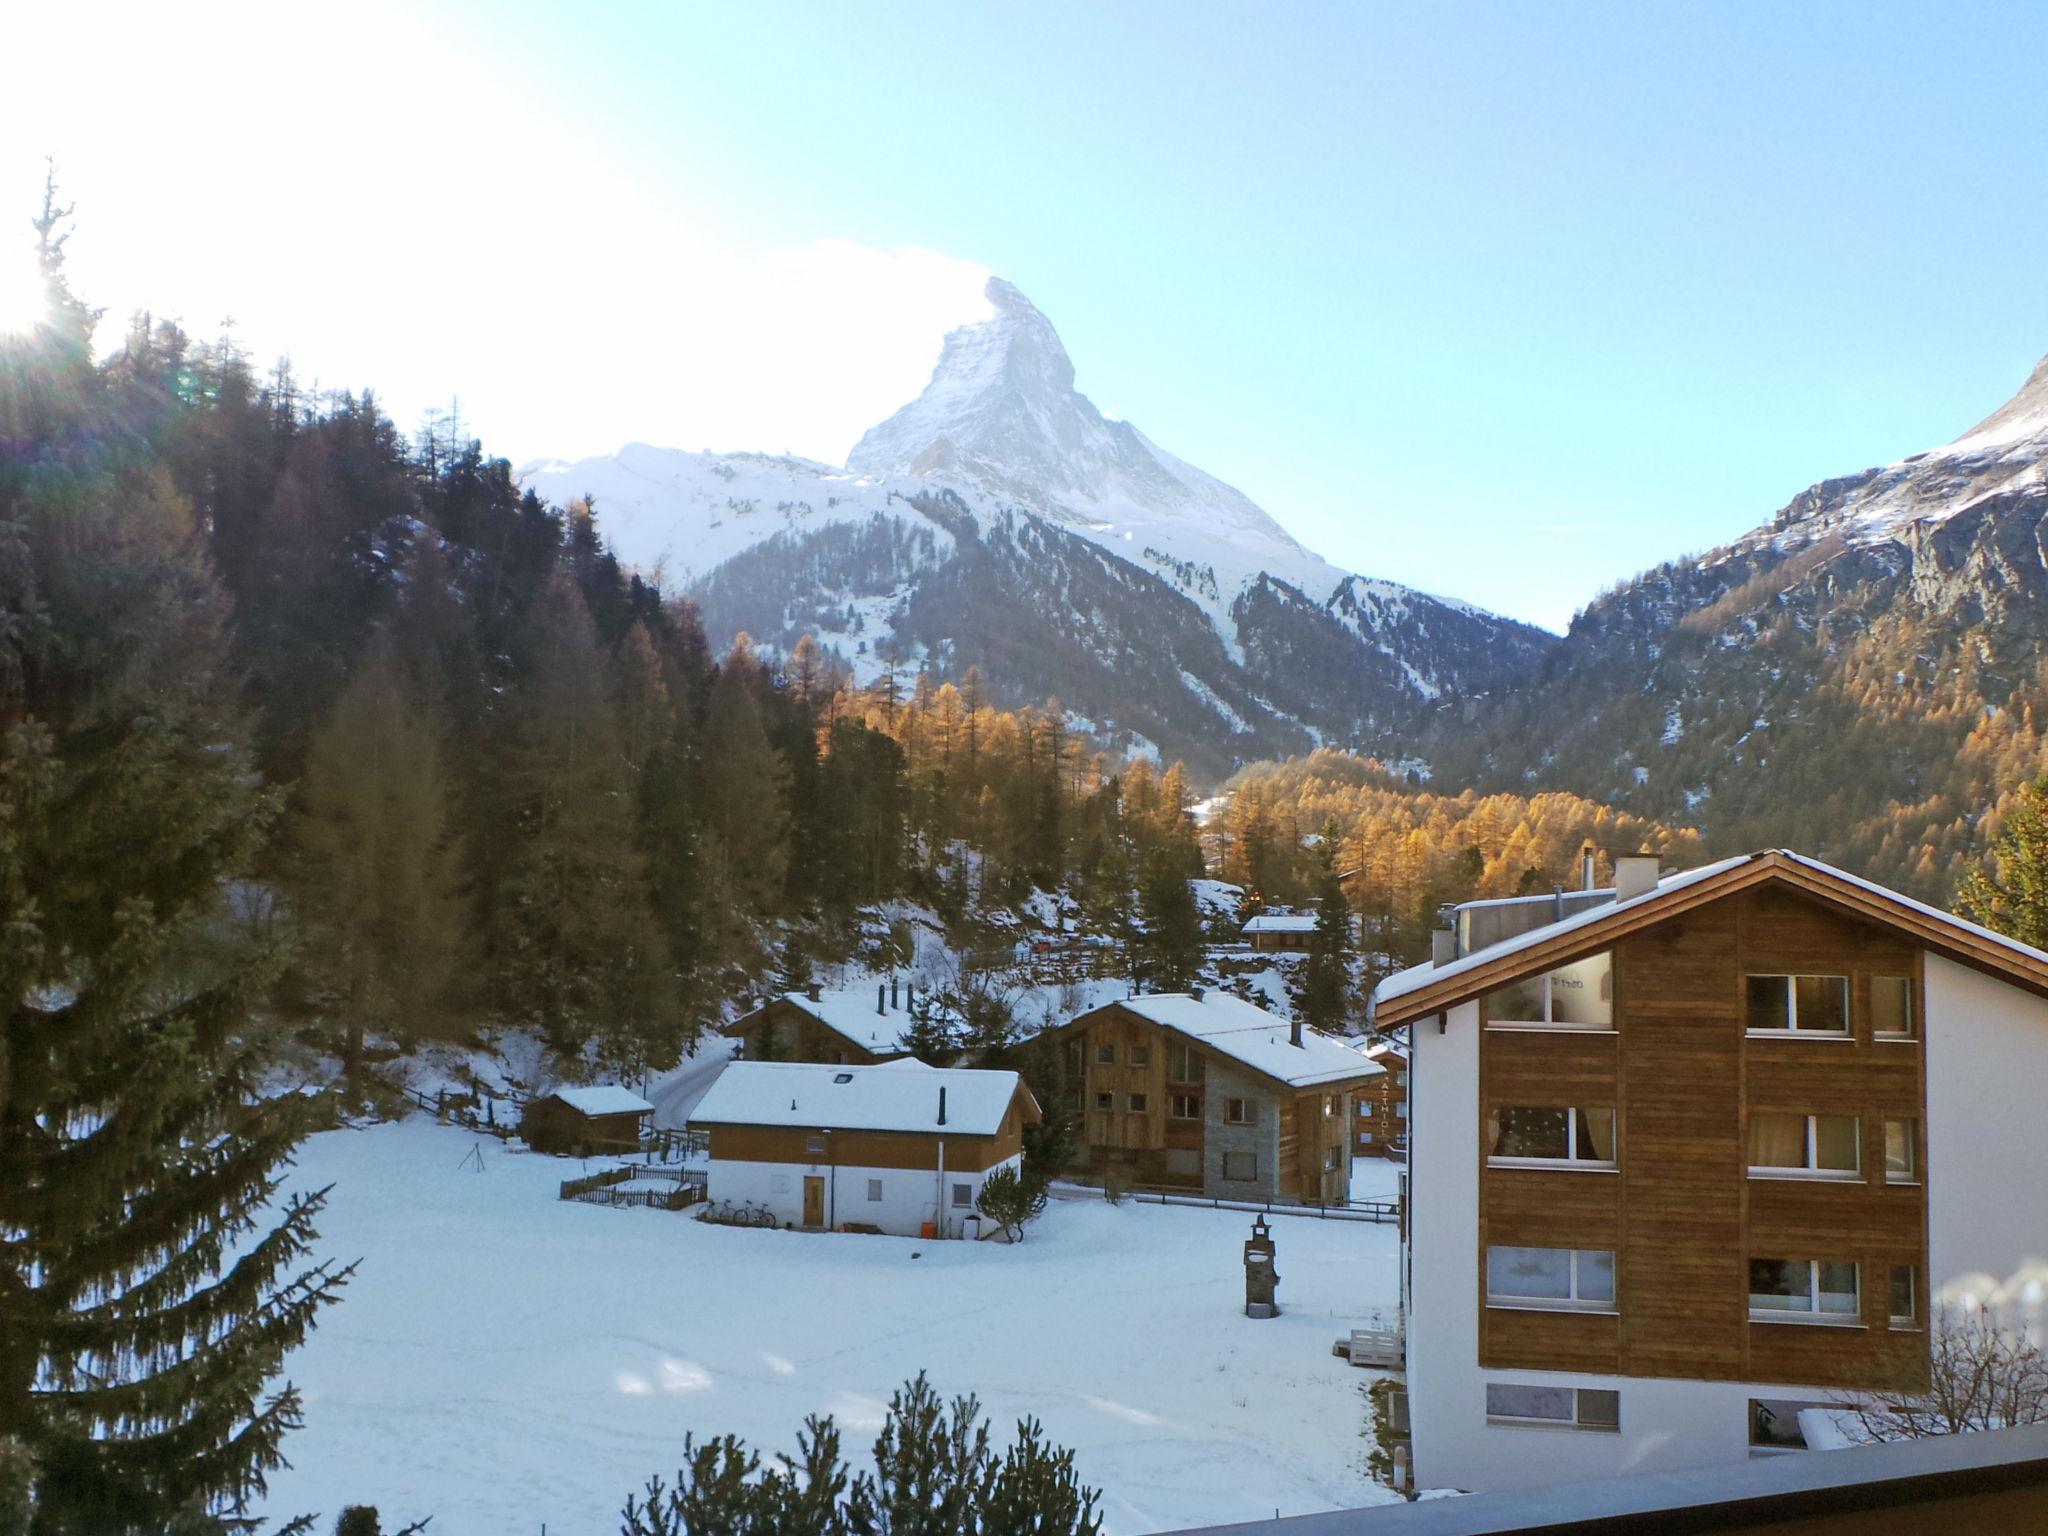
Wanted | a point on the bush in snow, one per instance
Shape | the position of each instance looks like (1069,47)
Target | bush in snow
(935,1475)
(1009,1200)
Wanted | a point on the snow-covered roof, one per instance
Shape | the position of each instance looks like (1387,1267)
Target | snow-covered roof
(821,1096)
(608,1099)
(1282,922)
(1250,1035)
(1981,942)
(850,1013)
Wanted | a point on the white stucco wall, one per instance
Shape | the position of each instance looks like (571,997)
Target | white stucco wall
(1987,1132)
(910,1196)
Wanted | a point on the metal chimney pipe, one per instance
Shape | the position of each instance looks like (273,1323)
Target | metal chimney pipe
(942,1104)
(881,998)
(1294,1035)
(892,989)
(1587,858)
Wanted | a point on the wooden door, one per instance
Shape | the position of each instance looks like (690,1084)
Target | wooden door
(814,1201)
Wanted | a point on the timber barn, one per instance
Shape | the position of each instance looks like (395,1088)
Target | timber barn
(581,1121)
(899,1148)
(1205,1092)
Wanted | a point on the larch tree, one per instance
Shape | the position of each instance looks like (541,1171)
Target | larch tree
(2011,897)
(149,1287)
(379,873)
(1326,978)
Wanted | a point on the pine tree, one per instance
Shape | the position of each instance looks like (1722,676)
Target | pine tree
(378,872)
(744,806)
(136,1147)
(1326,979)
(1169,952)
(2012,897)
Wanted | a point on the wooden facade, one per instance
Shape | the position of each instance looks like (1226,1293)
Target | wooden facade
(549,1125)
(1680,1209)
(873,1149)
(1165,1109)
(781,1030)
(1379,1109)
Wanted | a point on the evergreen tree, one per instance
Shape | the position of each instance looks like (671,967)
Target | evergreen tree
(1169,951)
(137,1150)
(1011,1199)
(744,805)
(2012,896)
(1326,979)
(378,872)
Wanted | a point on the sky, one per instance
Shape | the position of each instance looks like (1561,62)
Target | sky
(1505,301)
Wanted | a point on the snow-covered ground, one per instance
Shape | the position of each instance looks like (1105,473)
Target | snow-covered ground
(504,1359)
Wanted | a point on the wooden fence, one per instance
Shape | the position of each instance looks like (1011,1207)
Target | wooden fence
(602,1187)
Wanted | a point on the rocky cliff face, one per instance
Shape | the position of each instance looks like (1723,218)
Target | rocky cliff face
(1000,520)
(1860,675)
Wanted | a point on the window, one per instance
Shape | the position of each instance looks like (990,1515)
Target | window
(1183,1163)
(1237,1111)
(1905,1296)
(874,1189)
(1578,996)
(1184,1106)
(842,1077)
(1183,1064)
(1105,1101)
(1105,1053)
(1333,1159)
(814,1144)
(1803,1291)
(1901,1151)
(1581,1137)
(1329,1106)
(1822,1146)
(963,1195)
(1891,1007)
(1559,1279)
(1136,1103)
(1077,1058)
(1241,1167)
(1774,1423)
(1807,1005)
(1564,1407)
(1141,1055)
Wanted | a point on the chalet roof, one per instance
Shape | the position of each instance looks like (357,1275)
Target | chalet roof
(850,1013)
(1426,989)
(1251,1036)
(819,1095)
(1282,922)
(608,1099)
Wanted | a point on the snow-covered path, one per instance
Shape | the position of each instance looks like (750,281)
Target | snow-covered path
(504,1359)
(676,1093)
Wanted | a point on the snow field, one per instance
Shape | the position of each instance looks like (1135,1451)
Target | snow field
(505,1359)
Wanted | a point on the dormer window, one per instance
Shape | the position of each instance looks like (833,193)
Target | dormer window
(842,1077)
(1575,996)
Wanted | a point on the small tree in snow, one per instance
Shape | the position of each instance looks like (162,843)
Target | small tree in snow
(1009,1200)
(1980,1376)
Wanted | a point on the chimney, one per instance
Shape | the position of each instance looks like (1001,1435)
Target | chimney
(1443,946)
(942,1104)
(815,992)
(1634,874)
(892,989)
(1294,1035)
(881,998)
(1195,993)
(1587,860)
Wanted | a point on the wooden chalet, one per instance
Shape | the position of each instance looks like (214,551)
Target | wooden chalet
(898,1148)
(1205,1092)
(838,1027)
(1379,1109)
(582,1121)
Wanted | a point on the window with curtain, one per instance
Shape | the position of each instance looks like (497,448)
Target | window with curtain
(1575,996)
(1803,1290)
(1824,1146)
(1566,1407)
(1571,1136)
(1563,1279)
(1813,1005)
(1901,1151)
(1891,1006)
(1905,1296)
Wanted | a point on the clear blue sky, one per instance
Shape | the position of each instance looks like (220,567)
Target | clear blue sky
(1503,300)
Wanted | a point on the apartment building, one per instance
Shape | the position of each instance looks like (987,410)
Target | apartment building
(1699,1156)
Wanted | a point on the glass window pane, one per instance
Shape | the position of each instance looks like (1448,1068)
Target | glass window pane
(1775,1422)
(1779,1285)
(1901,1139)
(1599,1408)
(1596,1274)
(1777,1140)
(1891,1005)
(1536,1274)
(1583,994)
(1835,1140)
(1838,1289)
(1519,1002)
(1767,1002)
(1905,1293)
(1529,1133)
(1596,1135)
(1512,1402)
(1822,1002)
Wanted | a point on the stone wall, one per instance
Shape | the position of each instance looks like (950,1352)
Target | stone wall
(1261,1137)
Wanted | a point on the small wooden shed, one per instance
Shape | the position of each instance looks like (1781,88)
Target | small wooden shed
(579,1121)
